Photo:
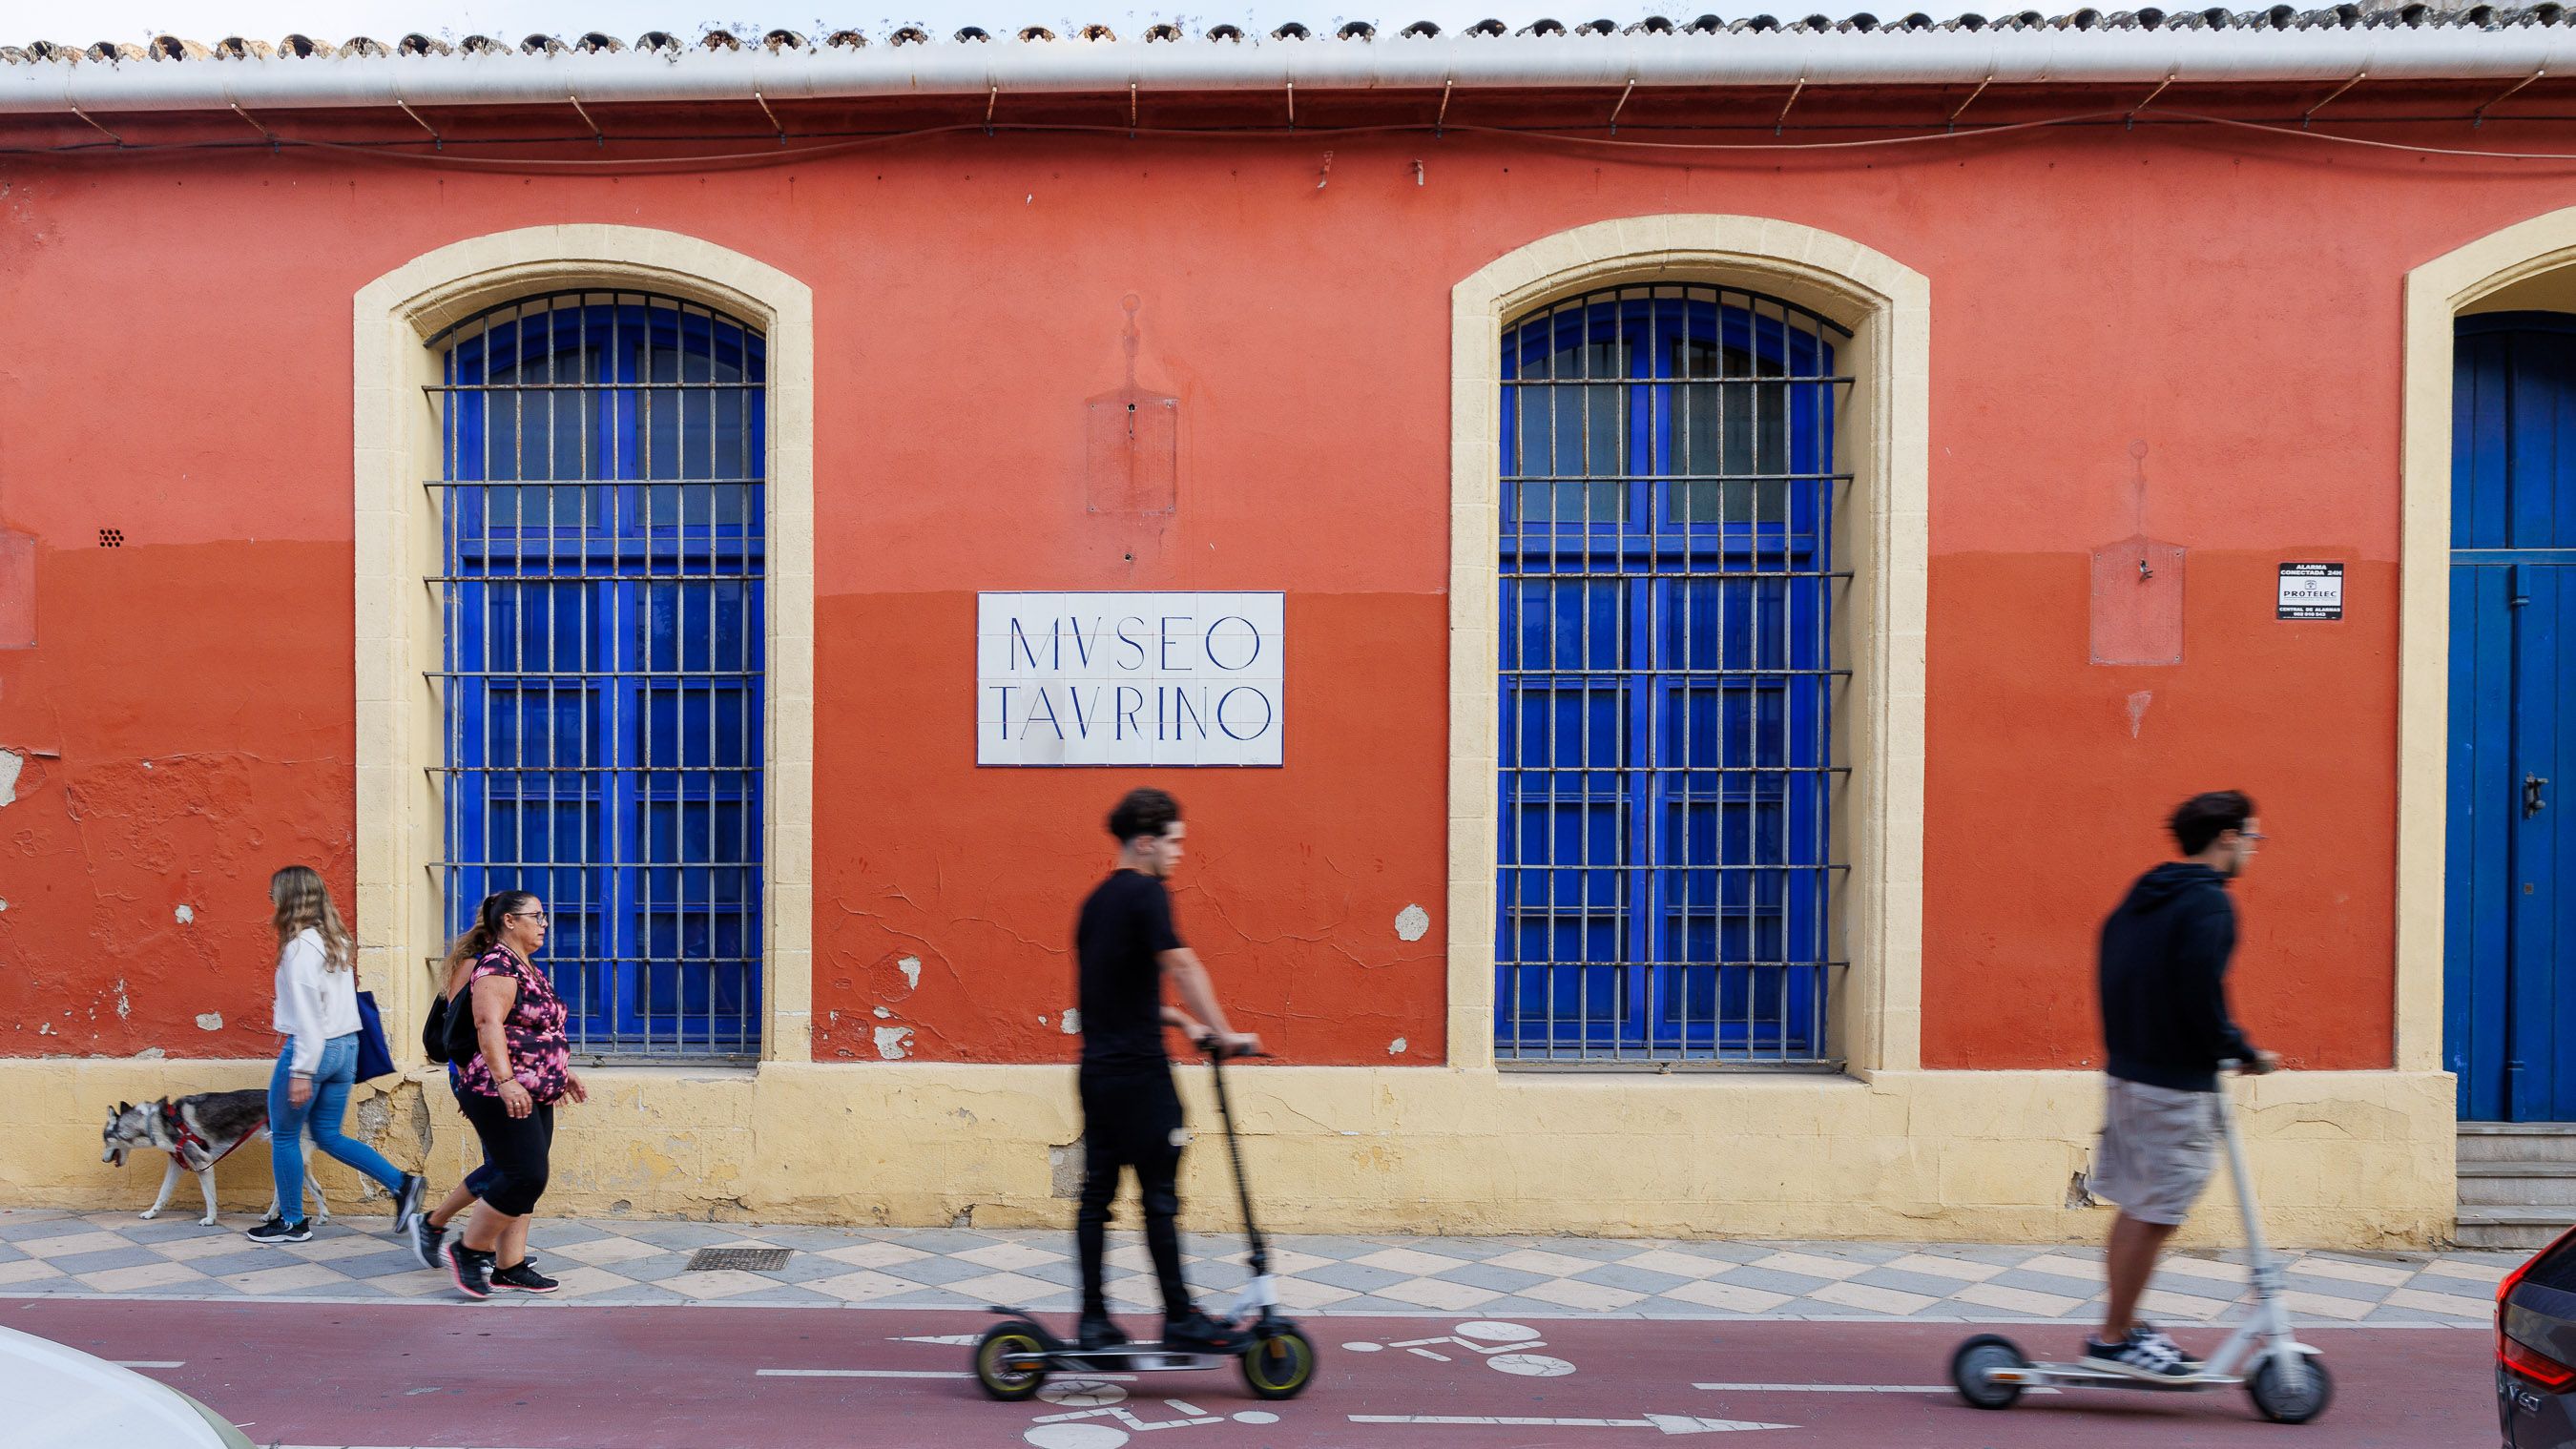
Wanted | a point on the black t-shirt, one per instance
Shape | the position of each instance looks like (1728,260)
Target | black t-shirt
(1125,924)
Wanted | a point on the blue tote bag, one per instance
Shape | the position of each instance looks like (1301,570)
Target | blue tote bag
(375,1059)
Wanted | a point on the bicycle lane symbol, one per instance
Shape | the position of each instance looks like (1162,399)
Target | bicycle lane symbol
(1097,1415)
(1504,1347)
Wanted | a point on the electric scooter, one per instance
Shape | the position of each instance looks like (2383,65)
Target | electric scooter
(2286,1378)
(1014,1357)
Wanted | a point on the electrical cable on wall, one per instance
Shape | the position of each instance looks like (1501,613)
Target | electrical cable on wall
(782,152)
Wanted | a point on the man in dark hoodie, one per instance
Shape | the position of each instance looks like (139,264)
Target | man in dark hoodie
(2166,1026)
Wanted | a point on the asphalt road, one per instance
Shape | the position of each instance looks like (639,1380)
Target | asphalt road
(524,1376)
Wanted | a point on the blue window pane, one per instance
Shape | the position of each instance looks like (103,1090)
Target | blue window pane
(1565,624)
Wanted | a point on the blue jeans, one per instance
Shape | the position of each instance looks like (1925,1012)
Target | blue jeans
(333,1076)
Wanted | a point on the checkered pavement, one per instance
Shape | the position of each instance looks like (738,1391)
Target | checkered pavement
(116,1255)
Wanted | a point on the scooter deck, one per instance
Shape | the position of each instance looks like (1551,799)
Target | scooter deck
(2071,1375)
(1135,1358)
(1142,1358)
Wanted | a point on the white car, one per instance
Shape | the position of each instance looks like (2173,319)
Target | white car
(62,1398)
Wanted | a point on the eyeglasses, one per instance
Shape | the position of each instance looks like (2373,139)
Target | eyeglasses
(527,915)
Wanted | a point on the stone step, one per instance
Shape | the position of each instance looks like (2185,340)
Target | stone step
(2525,1229)
(2519,1184)
(2517,1142)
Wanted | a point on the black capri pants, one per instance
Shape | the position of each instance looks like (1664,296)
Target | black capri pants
(515,1151)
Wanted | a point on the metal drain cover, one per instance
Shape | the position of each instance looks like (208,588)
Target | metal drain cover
(740,1260)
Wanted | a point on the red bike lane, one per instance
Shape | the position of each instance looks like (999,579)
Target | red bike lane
(529,1376)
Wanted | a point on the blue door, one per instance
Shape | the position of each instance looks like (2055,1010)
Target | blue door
(2509,1028)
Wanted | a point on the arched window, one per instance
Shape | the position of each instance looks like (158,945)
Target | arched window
(601,510)
(1669,478)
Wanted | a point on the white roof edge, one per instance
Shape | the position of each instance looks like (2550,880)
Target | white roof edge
(1015,67)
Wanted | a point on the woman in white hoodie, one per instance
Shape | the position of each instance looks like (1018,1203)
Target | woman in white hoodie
(317,1013)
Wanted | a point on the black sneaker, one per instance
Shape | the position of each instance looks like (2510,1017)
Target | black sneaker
(1199,1333)
(523,1275)
(1096,1331)
(426,1240)
(407,1201)
(273,1232)
(472,1270)
(2140,1356)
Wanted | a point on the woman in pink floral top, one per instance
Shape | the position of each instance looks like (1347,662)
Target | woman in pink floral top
(508,1088)
(532,1030)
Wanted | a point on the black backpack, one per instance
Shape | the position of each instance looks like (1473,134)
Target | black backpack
(433,1031)
(448,1035)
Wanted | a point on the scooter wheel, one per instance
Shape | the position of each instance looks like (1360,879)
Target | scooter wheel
(2280,1403)
(996,1371)
(1973,1367)
(1279,1366)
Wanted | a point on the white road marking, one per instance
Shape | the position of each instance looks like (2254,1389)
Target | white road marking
(858,1374)
(1493,1332)
(1824,1388)
(1667,1423)
(1838,1389)
(1127,1416)
(950,1340)
(831,1373)
(1082,1393)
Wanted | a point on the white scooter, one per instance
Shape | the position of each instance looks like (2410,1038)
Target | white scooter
(2286,1378)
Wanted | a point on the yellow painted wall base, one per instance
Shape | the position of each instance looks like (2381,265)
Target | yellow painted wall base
(2342,1159)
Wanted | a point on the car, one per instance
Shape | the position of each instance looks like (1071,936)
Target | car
(62,1398)
(2536,1349)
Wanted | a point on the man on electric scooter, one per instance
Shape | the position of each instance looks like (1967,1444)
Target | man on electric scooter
(2165,1023)
(1131,1116)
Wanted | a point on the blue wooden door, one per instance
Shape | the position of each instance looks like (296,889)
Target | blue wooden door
(2510,1003)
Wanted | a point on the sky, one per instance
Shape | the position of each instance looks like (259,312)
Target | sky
(88,21)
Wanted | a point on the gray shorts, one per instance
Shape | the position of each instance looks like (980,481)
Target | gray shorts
(2156,1150)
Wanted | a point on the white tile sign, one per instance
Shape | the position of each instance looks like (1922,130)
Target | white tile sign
(1129,679)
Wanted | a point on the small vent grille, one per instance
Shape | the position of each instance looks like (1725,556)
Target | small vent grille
(739,1260)
(111,538)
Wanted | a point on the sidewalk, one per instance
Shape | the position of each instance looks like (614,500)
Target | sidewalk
(626,1262)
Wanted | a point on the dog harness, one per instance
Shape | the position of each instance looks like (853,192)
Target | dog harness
(188,1138)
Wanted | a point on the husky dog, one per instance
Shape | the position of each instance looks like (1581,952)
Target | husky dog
(197,1131)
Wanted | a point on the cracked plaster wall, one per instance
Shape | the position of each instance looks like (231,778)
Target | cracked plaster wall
(167,759)
(2345,1159)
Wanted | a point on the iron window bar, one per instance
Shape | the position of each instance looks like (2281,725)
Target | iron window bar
(1666,874)
(707,674)
(442,388)
(587,770)
(604,612)
(1577,679)
(1665,868)
(743,578)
